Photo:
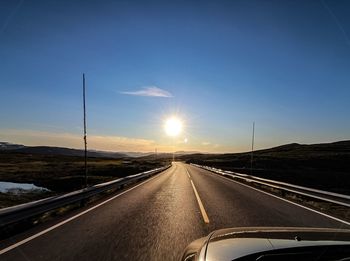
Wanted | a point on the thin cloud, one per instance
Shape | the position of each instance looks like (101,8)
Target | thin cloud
(150,91)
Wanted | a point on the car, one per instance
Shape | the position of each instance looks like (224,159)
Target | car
(270,244)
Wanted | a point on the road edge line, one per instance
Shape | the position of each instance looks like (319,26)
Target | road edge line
(286,200)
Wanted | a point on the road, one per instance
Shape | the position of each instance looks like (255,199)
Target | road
(157,219)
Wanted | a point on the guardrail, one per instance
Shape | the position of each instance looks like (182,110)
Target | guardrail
(21,212)
(336,198)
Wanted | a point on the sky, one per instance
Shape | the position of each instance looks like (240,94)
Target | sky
(218,66)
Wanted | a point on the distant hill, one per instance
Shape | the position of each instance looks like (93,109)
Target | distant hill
(339,146)
(325,166)
(48,150)
(292,150)
(185,152)
(10,146)
(132,154)
(287,150)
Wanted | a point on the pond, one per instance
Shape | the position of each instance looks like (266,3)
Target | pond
(12,187)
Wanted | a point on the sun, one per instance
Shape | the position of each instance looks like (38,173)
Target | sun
(173,126)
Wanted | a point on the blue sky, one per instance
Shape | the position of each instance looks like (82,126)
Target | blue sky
(283,64)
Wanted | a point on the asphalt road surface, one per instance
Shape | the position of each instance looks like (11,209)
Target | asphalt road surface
(157,219)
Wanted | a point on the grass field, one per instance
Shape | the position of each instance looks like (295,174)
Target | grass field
(62,174)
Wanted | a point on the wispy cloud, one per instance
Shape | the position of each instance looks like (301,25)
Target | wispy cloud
(150,91)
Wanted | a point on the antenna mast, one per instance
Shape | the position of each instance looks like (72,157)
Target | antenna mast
(251,156)
(85,141)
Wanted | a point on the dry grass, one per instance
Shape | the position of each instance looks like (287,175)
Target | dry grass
(62,174)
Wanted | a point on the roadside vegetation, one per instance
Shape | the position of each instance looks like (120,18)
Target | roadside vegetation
(60,173)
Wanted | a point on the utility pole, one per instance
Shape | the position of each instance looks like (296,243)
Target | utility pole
(251,156)
(85,141)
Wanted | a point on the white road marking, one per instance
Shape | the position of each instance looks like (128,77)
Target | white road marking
(201,207)
(69,219)
(188,174)
(286,200)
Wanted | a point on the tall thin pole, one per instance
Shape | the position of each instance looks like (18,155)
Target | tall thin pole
(85,141)
(252,153)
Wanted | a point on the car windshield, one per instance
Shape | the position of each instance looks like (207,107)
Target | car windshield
(129,129)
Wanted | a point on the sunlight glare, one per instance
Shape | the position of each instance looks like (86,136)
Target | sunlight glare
(173,126)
